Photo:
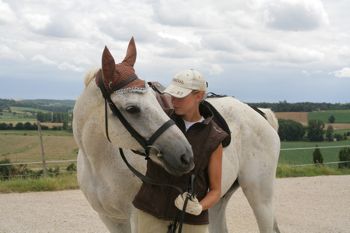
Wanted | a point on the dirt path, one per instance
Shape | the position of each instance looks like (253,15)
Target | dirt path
(310,205)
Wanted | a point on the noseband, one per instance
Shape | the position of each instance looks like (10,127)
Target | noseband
(146,144)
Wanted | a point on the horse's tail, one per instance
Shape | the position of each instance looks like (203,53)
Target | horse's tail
(270,117)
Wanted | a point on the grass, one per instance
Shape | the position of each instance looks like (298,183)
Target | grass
(341,116)
(26,109)
(295,157)
(61,182)
(284,170)
(24,146)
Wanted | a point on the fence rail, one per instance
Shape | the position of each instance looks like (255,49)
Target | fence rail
(282,149)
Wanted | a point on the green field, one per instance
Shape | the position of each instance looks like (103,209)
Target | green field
(341,116)
(24,146)
(14,117)
(26,110)
(304,156)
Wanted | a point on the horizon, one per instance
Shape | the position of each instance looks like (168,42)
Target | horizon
(282,101)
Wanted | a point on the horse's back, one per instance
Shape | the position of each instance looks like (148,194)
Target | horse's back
(254,145)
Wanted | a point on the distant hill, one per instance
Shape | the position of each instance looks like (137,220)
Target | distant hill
(43,104)
(284,106)
(67,105)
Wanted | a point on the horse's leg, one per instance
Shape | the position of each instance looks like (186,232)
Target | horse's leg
(116,225)
(258,188)
(217,214)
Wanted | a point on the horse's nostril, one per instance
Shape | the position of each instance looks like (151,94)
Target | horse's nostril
(185,159)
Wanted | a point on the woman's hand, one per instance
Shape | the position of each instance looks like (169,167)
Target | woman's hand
(193,207)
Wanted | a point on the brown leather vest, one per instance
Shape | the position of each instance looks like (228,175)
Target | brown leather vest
(204,138)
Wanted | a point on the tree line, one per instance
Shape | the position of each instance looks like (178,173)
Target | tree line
(290,130)
(31,126)
(43,104)
(284,106)
(67,105)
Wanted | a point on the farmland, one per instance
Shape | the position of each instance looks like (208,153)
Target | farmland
(304,156)
(341,116)
(19,146)
(23,145)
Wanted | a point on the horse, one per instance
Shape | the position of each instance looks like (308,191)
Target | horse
(249,161)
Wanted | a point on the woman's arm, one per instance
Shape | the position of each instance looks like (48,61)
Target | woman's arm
(214,170)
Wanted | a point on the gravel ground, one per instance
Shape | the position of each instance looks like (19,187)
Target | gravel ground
(317,204)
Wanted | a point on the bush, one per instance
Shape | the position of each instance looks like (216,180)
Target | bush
(6,171)
(331,119)
(315,130)
(71,167)
(329,133)
(339,137)
(10,171)
(317,156)
(344,155)
(290,130)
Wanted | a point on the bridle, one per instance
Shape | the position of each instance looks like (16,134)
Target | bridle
(146,144)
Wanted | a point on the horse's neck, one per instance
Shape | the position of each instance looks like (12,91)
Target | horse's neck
(89,126)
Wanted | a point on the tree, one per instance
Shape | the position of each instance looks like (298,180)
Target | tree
(19,126)
(315,130)
(329,133)
(317,156)
(6,170)
(331,119)
(344,155)
(290,130)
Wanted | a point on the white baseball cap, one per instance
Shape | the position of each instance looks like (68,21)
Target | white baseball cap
(185,82)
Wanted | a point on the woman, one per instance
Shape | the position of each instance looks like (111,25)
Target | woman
(156,205)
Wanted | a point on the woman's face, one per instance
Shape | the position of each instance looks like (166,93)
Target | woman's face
(187,104)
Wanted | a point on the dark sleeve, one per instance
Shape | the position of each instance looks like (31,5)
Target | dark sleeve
(217,135)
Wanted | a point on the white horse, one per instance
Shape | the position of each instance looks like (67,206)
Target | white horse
(249,161)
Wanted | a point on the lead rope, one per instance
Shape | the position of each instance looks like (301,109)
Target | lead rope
(180,215)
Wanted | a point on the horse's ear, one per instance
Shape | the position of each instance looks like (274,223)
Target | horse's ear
(130,57)
(108,64)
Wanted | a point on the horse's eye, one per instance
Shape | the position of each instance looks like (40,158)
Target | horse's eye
(132,109)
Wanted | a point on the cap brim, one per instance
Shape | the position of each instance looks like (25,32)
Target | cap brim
(178,92)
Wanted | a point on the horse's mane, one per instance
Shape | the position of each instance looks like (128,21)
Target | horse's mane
(90,75)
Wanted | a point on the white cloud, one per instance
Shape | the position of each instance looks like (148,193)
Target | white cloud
(214,37)
(72,67)
(6,53)
(37,21)
(343,73)
(6,13)
(215,69)
(62,66)
(295,15)
(43,59)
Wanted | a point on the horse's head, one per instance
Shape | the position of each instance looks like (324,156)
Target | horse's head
(136,120)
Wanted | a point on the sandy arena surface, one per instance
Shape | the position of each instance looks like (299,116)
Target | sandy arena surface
(310,205)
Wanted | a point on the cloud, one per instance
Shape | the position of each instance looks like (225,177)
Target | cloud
(43,59)
(295,15)
(7,53)
(343,73)
(224,39)
(6,13)
(62,66)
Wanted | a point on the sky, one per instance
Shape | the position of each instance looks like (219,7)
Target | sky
(255,50)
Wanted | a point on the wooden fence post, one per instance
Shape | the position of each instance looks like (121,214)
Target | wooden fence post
(42,149)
